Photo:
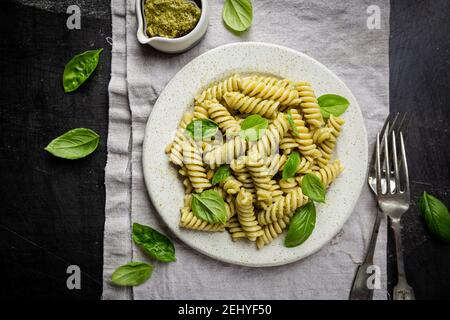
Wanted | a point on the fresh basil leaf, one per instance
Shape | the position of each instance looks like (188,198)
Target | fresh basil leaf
(313,187)
(210,207)
(80,68)
(291,166)
(292,124)
(132,274)
(221,174)
(332,104)
(238,14)
(253,127)
(74,144)
(201,129)
(154,243)
(436,216)
(301,226)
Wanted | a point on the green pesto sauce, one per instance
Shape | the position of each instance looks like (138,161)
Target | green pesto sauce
(170,18)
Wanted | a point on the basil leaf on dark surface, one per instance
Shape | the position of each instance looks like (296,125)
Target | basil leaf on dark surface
(221,174)
(301,226)
(291,166)
(201,129)
(210,207)
(332,104)
(154,243)
(436,216)
(238,14)
(132,274)
(253,127)
(313,187)
(74,144)
(79,69)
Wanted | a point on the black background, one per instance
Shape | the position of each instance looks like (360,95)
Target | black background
(52,211)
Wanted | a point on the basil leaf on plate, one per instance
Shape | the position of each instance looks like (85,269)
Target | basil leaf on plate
(221,174)
(292,124)
(436,216)
(301,226)
(313,187)
(291,166)
(154,243)
(332,104)
(253,127)
(132,274)
(238,14)
(79,69)
(74,144)
(201,129)
(209,206)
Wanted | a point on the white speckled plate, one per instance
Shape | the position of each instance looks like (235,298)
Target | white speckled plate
(166,189)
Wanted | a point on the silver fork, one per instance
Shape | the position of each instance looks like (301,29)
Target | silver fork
(360,289)
(394,202)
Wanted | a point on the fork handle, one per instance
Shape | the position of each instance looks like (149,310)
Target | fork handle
(402,291)
(360,290)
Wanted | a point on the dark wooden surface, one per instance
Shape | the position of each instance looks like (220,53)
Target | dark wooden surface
(52,211)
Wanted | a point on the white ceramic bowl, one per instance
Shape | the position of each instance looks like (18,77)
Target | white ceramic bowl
(165,185)
(173,45)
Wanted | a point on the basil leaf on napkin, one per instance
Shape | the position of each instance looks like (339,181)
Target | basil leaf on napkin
(332,104)
(202,129)
(154,243)
(291,166)
(132,274)
(238,14)
(221,174)
(210,207)
(80,68)
(313,187)
(74,144)
(436,216)
(253,127)
(301,226)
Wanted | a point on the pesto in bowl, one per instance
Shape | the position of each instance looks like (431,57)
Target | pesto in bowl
(170,18)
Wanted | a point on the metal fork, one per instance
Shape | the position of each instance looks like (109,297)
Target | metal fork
(360,290)
(394,202)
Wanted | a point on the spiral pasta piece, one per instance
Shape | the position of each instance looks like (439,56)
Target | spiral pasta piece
(235,229)
(200,111)
(303,136)
(251,105)
(261,177)
(275,163)
(288,185)
(189,221)
(330,172)
(322,134)
(269,143)
(231,185)
(272,231)
(227,152)
(273,81)
(175,149)
(286,96)
(246,215)
(309,105)
(192,160)
(288,143)
(217,91)
(243,175)
(327,147)
(305,166)
(218,113)
(284,206)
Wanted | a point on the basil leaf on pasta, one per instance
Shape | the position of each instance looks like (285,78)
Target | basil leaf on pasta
(202,129)
(253,127)
(132,274)
(154,243)
(79,69)
(221,174)
(74,144)
(238,14)
(313,187)
(301,226)
(436,216)
(332,104)
(291,166)
(210,207)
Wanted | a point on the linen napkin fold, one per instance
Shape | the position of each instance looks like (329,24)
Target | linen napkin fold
(337,34)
